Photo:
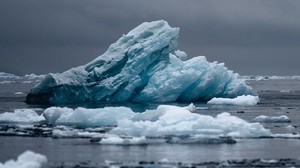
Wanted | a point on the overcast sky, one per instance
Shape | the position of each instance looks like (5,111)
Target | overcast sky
(259,37)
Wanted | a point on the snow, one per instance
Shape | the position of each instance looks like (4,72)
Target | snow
(272,119)
(28,159)
(243,100)
(21,116)
(142,66)
(166,120)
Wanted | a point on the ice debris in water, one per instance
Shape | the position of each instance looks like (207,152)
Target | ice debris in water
(7,75)
(142,65)
(272,119)
(28,159)
(21,116)
(115,140)
(166,120)
(243,100)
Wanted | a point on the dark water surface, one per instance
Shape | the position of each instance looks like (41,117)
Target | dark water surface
(277,97)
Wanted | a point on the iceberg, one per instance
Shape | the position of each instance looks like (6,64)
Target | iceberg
(142,66)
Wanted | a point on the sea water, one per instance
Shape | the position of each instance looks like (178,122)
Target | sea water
(277,97)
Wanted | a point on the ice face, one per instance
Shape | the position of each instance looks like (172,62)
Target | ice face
(142,65)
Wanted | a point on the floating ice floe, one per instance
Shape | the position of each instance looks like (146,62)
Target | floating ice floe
(258,78)
(164,121)
(18,93)
(142,66)
(243,100)
(7,82)
(7,75)
(115,140)
(28,159)
(33,76)
(272,119)
(82,117)
(21,116)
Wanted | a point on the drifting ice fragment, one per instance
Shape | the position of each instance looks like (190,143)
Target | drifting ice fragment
(243,100)
(142,65)
(163,121)
(21,116)
(28,159)
(7,75)
(274,119)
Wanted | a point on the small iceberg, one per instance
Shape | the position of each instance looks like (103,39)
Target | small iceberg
(243,100)
(272,119)
(142,66)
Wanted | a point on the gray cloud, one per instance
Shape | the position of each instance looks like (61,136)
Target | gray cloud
(250,36)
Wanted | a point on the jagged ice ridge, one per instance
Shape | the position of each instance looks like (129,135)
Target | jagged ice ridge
(142,66)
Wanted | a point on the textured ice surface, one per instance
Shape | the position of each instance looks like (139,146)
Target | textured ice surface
(272,119)
(243,100)
(28,159)
(21,116)
(142,65)
(164,121)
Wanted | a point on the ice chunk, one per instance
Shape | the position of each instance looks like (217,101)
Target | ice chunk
(177,121)
(82,117)
(142,65)
(28,159)
(272,119)
(18,93)
(7,75)
(34,76)
(166,120)
(74,134)
(115,140)
(202,139)
(21,116)
(258,78)
(243,100)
